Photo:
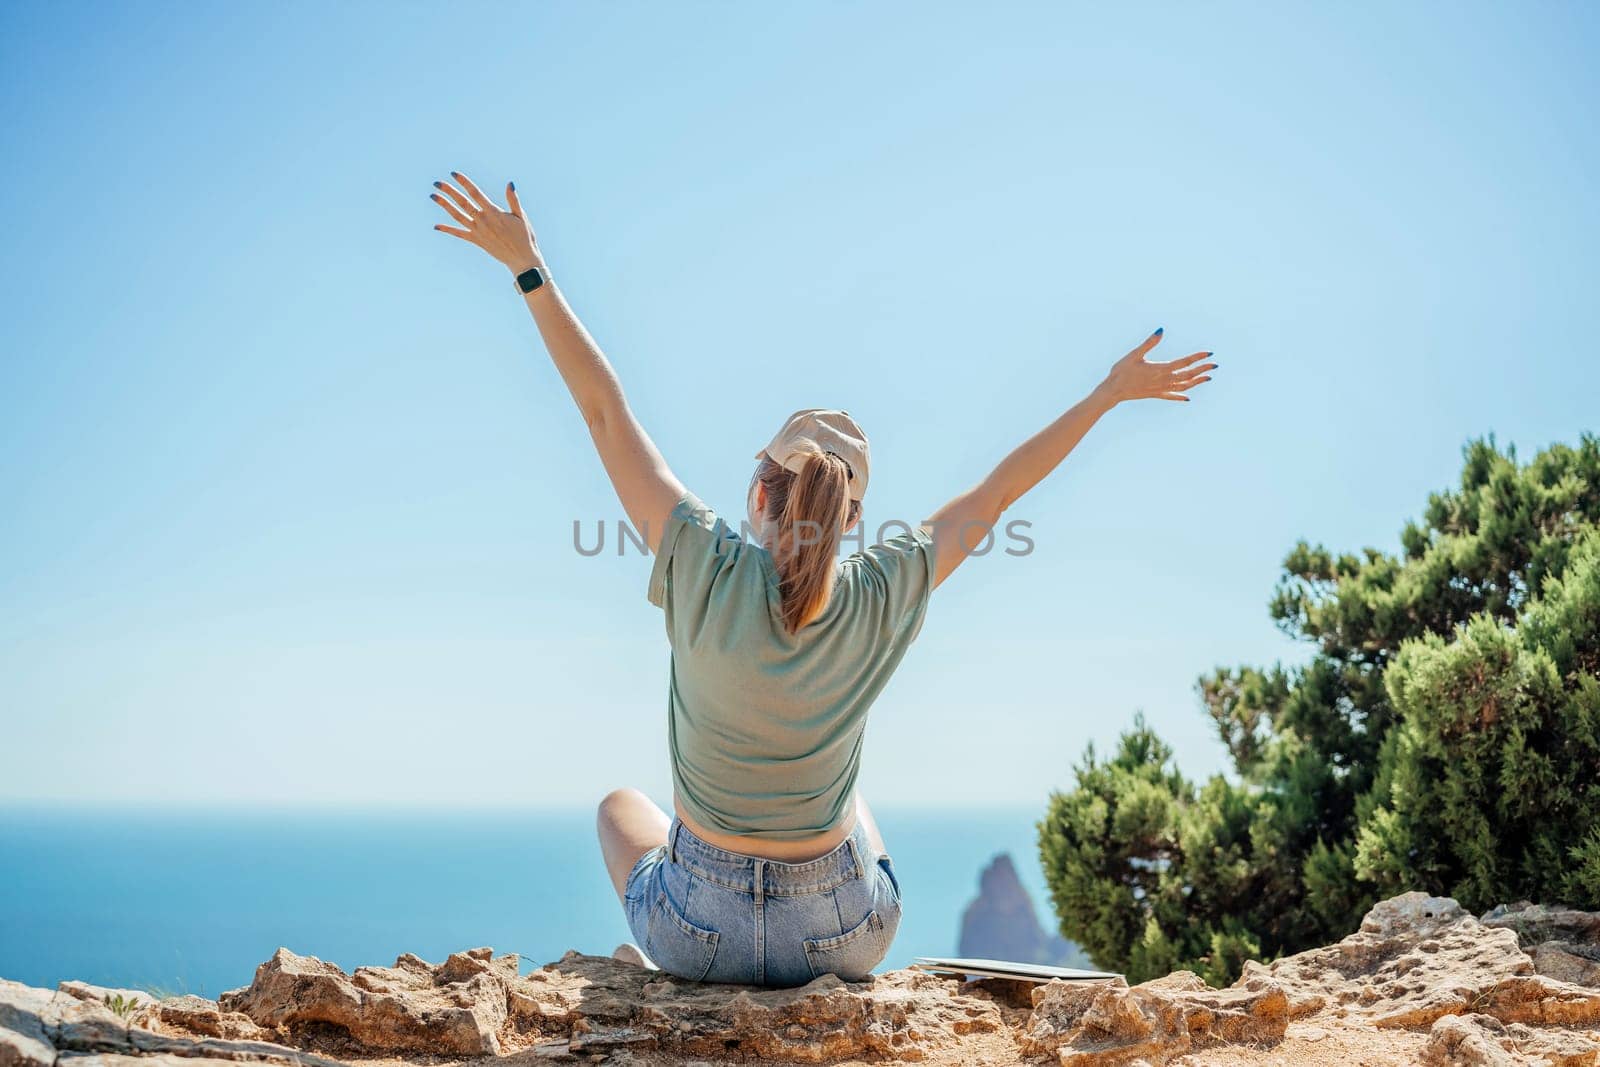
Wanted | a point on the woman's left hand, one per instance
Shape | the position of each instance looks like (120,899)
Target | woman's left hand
(1134,378)
(505,235)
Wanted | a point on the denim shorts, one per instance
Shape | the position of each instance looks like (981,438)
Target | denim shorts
(709,915)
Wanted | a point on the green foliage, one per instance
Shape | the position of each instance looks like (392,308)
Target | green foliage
(1108,843)
(1498,752)
(123,1006)
(1445,736)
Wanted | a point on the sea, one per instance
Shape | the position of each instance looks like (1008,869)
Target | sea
(190,902)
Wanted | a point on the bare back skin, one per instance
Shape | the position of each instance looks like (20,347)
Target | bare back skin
(792,850)
(630,824)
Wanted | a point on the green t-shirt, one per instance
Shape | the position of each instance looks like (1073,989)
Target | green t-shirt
(764,727)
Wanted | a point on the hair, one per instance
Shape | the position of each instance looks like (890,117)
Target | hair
(809,512)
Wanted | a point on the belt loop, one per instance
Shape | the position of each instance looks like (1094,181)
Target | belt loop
(855,856)
(672,842)
(760,879)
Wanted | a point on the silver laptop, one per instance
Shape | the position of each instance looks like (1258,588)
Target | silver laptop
(1026,972)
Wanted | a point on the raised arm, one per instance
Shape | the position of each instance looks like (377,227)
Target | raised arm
(963,524)
(644,483)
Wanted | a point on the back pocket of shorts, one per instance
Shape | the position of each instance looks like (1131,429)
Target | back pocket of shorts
(675,944)
(852,954)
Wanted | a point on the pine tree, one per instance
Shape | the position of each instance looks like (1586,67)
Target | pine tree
(1444,736)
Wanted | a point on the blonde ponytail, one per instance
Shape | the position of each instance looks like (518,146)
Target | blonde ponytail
(810,510)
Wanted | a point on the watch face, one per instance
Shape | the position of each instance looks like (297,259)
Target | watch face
(530,279)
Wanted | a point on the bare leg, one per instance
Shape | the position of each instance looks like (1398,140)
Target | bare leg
(864,814)
(630,824)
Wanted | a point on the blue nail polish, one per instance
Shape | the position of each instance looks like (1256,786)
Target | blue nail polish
(438,185)
(513,186)
(1158,331)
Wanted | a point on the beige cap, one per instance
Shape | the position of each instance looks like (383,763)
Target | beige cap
(822,430)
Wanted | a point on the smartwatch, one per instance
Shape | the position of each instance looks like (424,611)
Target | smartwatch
(531,279)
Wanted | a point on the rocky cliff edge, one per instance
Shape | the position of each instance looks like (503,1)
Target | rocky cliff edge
(1421,982)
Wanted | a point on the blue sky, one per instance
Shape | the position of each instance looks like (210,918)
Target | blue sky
(288,482)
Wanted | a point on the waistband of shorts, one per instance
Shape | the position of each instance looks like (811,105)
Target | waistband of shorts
(766,877)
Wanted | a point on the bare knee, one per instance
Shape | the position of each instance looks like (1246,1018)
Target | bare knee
(618,799)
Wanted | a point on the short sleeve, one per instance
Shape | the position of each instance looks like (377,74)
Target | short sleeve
(694,547)
(901,569)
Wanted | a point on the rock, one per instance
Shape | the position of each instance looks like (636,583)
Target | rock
(113,1059)
(134,998)
(84,1025)
(20,1049)
(601,1004)
(1058,1007)
(74,1028)
(24,1040)
(1411,914)
(456,1008)
(197,1015)
(1534,924)
(1001,923)
(148,1043)
(1484,1041)
(1568,962)
(1418,958)
(1420,981)
(1109,1023)
(1303,999)
(1563,943)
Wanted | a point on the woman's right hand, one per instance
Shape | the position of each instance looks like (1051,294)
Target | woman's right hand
(1134,378)
(505,235)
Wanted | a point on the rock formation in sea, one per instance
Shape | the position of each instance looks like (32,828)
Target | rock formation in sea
(1421,982)
(1001,923)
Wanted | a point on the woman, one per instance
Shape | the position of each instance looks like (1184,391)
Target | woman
(771,870)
